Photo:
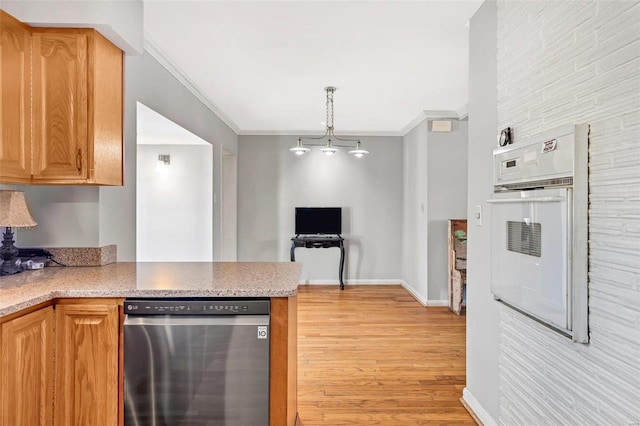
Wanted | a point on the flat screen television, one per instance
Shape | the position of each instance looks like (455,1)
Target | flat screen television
(318,220)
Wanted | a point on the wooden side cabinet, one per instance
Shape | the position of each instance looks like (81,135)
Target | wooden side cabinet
(27,369)
(86,376)
(457,264)
(15,98)
(77,108)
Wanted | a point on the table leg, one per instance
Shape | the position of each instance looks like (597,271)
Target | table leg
(341,265)
(293,251)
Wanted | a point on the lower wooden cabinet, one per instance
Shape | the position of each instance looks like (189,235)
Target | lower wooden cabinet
(60,367)
(86,379)
(26,373)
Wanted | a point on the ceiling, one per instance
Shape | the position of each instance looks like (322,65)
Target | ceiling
(155,129)
(263,65)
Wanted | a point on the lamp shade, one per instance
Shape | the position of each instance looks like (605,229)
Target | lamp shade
(14,211)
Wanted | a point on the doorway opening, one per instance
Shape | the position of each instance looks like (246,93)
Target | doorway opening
(174,200)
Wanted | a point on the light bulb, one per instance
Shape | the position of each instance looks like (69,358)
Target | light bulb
(329,150)
(299,149)
(358,152)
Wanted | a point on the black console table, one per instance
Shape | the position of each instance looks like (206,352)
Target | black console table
(320,241)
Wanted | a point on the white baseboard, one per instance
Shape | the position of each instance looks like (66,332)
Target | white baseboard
(422,300)
(352,282)
(414,293)
(480,412)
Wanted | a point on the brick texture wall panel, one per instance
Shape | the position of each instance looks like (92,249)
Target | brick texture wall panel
(579,62)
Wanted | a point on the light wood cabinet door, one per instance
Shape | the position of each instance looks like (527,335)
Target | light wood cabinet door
(77,108)
(86,376)
(27,370)
(15,100)
(59,106)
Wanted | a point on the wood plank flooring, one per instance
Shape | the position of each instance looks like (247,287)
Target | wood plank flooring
(372,355)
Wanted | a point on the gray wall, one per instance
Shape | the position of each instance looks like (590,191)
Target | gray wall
(414,210)
(434,190)
(150,83)
(66,216)
(69,216)
(273,181)
(446,199)
(482,310)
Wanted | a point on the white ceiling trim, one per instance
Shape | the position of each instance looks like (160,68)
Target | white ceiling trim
(350,133)
(459,114)
(413,123)
(463,112)
(434,113)
(155,51)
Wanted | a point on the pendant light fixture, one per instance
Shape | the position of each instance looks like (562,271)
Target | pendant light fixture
(329,148)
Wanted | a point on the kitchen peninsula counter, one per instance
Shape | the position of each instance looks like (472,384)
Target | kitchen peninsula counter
(86,305)
(149,279)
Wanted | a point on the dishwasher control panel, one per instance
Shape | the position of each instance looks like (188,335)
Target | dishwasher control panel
(195,307)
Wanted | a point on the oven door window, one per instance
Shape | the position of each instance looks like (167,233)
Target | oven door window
(529,253)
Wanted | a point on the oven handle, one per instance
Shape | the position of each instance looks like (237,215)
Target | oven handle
(526,200)
(172,320)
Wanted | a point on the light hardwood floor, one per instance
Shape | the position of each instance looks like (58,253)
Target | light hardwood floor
(372,355)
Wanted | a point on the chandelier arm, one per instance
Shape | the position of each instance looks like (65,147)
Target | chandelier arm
(318,144)
(345,139)
(314,137)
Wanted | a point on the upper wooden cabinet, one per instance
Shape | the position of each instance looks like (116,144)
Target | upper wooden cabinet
(15,97)
(77,107)
(74,119)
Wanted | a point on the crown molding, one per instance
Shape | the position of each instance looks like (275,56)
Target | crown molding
(158,54)
(463,112)
(441,113)
(433,114)
(413,123)
(349,133)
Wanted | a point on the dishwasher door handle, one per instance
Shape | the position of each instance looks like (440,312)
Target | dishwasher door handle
(186,320)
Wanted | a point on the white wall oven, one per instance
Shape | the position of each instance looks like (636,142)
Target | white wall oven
(539,229)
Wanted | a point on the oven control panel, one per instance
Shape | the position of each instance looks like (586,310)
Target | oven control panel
(196,307)
(548,157)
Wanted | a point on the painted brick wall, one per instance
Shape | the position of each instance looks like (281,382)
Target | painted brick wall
(560,63)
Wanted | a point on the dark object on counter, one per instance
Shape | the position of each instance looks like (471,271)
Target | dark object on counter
(27,259)
(8,252)
(25,253)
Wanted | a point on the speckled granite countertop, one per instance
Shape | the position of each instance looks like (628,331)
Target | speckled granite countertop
(162,279)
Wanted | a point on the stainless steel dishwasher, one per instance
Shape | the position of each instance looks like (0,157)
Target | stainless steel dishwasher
(196,362)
